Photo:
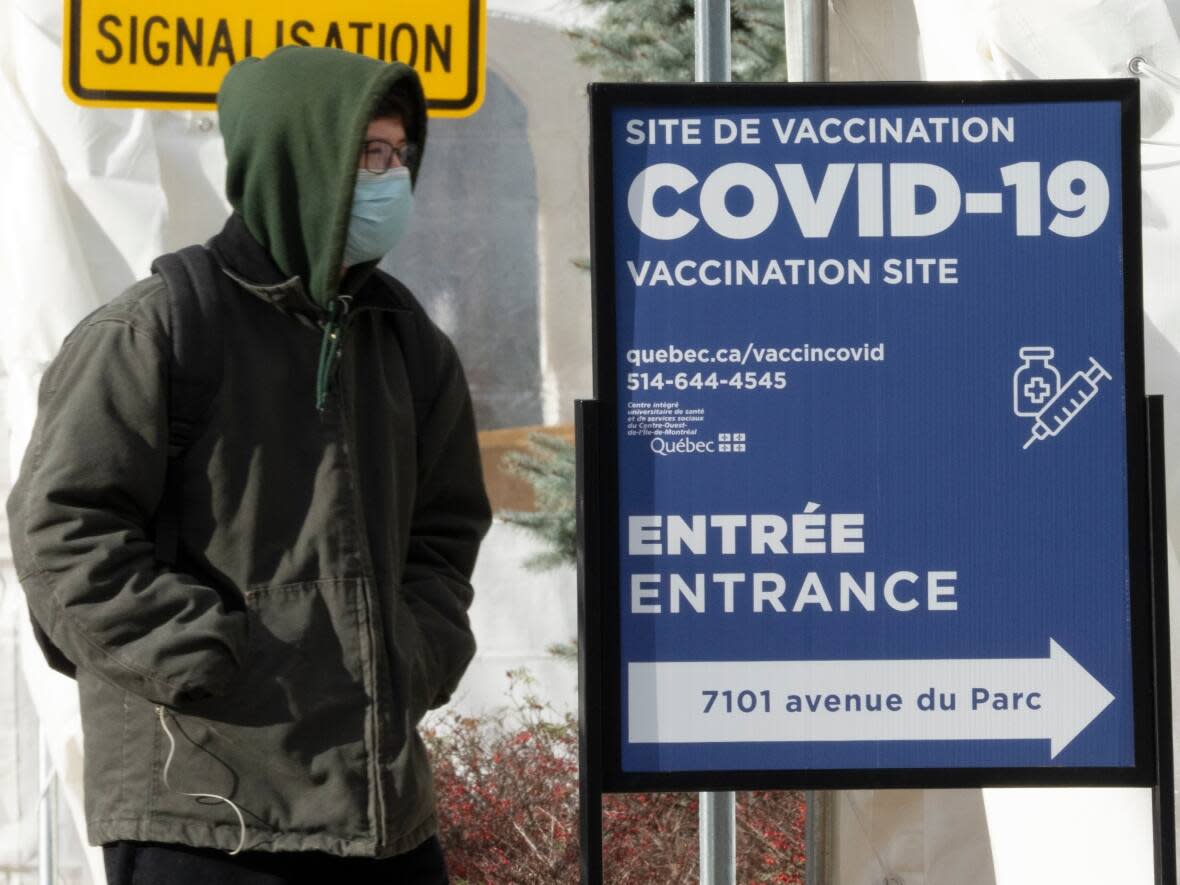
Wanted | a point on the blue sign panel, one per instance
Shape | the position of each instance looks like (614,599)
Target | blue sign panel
(872,378)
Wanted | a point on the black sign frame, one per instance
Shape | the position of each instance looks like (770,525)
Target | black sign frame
(599,504)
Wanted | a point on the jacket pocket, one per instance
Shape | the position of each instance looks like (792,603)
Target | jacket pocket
(290,744)
(418,660)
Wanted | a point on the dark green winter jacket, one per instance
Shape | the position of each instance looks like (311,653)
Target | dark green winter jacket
(317,604)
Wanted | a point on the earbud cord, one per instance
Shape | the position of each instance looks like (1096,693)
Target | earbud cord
(168,763)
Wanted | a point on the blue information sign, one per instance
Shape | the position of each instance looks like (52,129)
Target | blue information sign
(874,373)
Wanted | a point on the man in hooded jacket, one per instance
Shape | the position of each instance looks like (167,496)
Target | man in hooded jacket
(250,703)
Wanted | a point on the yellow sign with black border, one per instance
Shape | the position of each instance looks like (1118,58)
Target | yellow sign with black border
(148,54)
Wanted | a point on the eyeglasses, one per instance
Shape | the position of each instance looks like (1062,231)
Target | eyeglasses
(380,156)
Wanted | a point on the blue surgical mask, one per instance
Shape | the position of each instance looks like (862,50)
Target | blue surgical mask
(381,204)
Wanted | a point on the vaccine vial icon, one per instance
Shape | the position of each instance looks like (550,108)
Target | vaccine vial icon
(1035,382)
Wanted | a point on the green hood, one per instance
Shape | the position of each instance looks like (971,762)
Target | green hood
(293,124)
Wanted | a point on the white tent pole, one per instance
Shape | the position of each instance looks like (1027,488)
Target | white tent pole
(718,826)
(46,814)
(806,24)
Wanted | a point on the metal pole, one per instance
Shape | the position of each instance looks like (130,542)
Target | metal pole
(817,840)
(586,429)
(46,815)
(712,41)
(718,839)
(807,40)
(806,23)
(1163,798)
(718,823)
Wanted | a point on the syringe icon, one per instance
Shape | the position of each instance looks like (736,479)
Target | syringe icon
(1070,400)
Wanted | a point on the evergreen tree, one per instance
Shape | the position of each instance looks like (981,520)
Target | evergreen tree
(634,40)
(652,40)
(548,466)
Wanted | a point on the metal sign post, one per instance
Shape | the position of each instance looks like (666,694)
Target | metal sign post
(806,24)
(717,811)
(712,41)
(590,640)
(1162,794)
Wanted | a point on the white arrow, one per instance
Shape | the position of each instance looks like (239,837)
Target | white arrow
(1051,698)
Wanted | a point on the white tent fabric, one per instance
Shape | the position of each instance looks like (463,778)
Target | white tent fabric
(88,197)
(1034,835)
(72,182)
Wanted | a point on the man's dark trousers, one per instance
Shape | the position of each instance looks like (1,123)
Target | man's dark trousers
(149,863)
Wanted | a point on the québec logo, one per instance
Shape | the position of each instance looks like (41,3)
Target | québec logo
(725,442)
(664,447)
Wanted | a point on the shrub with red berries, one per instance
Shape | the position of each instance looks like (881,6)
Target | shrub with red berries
(507,788)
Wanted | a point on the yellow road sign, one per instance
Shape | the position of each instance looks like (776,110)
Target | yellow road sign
(155,54)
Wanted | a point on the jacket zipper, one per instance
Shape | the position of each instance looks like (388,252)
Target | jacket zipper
(340,315)
(376,642)
(333,328)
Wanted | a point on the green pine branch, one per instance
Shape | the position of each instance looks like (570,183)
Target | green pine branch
(646,40)
(548,466)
